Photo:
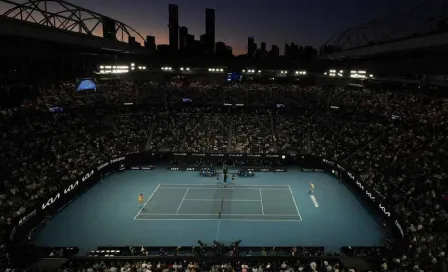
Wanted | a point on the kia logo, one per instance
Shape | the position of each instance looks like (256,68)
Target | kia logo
(384,210)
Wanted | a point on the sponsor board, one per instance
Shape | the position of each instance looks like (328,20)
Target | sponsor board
(102,166)
(69,189)
(146,167)
(399,228)
(384,210)
(312,170)
(328,162)
(117,160)
(27,217)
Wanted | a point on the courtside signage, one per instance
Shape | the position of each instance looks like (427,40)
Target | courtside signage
(67,190)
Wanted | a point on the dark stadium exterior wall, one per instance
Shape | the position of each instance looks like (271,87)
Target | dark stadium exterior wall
(34,216)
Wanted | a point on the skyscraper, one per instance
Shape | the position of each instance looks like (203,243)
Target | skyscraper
(263,47)
(173,25)
(275,51)
(251,47)
(210,31)
(183,38)
(151,44)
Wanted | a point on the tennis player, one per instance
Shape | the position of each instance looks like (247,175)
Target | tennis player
(140,200)
(311,192)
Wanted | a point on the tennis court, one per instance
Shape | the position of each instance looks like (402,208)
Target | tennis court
(213,202)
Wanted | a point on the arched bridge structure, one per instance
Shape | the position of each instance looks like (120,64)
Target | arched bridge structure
(420,26)
(60,21)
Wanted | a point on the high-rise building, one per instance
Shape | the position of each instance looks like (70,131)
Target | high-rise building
(222,50)
(150,44)
(263,47)
(251,47)
(173,25)
(275,51)
(210,31)
(183,38)
(190,41)
(287,50)
(202,44)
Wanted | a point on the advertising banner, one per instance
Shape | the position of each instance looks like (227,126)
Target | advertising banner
(229,156)
(254,169)
(57,201)
(368,194)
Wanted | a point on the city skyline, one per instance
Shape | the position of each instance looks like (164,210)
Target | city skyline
(274,23)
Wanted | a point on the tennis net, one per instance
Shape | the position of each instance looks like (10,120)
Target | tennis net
(220,208)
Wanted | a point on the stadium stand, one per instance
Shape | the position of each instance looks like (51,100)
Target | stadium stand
(403,157)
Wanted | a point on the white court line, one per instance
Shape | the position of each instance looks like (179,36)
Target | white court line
(217,231)
(251,185)
(261,199)
(209,214)
(254,220)
(144,204)
(214,188)
(225,200)
(180,205)
(295,204)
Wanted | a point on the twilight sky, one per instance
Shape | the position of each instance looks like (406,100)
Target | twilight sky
(304,22)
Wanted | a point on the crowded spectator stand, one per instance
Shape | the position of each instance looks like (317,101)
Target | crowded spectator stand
(394,142)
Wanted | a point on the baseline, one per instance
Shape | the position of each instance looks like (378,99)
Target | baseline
(227,217)
(225,188)
(147,201)
(295,204)
(225,200)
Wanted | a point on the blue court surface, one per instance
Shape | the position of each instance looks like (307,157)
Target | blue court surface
(181,208)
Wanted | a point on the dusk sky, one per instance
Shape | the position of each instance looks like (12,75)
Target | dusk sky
(304,22)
